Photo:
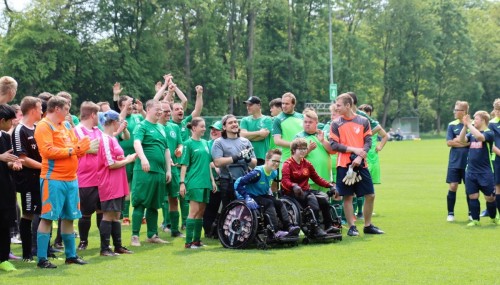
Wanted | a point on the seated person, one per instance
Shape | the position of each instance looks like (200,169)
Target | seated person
(255,187)
(296,173)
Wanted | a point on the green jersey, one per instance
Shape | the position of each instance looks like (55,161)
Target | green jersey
(185,132)
(326,132)
(252,124)
(319,158)
(128,145)
(272,145)
(174,139)
(197,158)
(153,139)
(287,125)
(373,123)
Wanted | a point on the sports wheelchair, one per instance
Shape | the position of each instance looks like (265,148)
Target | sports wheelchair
(305,218)
(239,227)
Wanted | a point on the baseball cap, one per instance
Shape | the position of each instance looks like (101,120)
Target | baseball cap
(217,125)
(252,100)
(109,115)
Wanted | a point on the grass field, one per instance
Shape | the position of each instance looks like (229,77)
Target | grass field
(419,246)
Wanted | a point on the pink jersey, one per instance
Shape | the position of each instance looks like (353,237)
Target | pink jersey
(112,182)
(87,170)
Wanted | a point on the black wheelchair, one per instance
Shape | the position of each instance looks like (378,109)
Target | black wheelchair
(240,227)
(305,218)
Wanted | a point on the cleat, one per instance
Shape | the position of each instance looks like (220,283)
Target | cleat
(7,266)
(156,239)
(353,231)
(58,245)
(360,216)
(450,218)
(178,234)
(29,260)
(371,229)
(198,244)
(123,250)
(126,222)
(134,241)
(474,223)
(190,246)
(166,229)
(108,252)
(13,257)
(484,213)
(75,260)
(332,230)
(470,218)
(45,264)
(15,240)
(293,231)
(83,245)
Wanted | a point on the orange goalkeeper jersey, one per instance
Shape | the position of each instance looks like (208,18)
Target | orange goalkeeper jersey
(54,142)
(352,133)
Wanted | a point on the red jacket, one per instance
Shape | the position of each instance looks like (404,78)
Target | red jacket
(295,173)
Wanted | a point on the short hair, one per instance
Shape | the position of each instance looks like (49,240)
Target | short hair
(102,103)
(194,122)
(291,96)
(346,99)
(45,96)
(7,112)
(333,107)
(275,103)
(354,97)
(311,114)
(122,99)
(65,95)
(29,103)
(483,115)
(271,152)
(150,103)
(56,101)
(298,143)
(463,105)
(7,83)
(496,104)
(366,108)
(87,109)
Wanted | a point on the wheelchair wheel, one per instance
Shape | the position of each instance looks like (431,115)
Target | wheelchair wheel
(293,209)
(237,225)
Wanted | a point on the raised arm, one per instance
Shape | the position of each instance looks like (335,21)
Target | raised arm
(198,105)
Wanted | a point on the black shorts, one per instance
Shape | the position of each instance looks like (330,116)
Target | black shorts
(455,175)
(28,185)
(89,200)
(113,205)
(361,188)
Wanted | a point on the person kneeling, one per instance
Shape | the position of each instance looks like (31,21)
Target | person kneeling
(296,173)
(255,188)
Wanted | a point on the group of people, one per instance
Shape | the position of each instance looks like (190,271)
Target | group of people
(475,160)
(153,157)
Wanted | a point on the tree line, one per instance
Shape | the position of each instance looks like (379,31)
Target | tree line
(408,58)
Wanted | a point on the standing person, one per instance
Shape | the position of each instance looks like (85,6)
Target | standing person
(28,180)
(87,171)
(457,160)
(113,186)
(479,173)
(179,119)
(350,136)
(494,126)
(275,110)
(8,161)
(59,149)
(8,89)
(256,128)
(286,125)
(72,119)
(231,151)
(196,181)
(318,149)
(151,173)
(171,205)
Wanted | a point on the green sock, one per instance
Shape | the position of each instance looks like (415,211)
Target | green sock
(197,229)
(174,221)
(126,208)
(184,210)
(137,215)
(190,226)
(152,221)
(166,214)
(360,201)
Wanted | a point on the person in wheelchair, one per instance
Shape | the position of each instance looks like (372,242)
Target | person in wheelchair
(254,187)
(296,173)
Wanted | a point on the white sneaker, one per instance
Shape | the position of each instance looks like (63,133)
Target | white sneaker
(470,218)
(135,241)
(15,240)
(450,218)
(156,239)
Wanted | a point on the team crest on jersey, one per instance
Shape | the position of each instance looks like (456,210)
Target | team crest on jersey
(305,172)
(357,130)
(476,145)
(173,134)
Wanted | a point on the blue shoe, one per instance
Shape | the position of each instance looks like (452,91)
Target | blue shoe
(484,213)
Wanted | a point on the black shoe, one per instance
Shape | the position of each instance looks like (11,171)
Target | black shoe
(319,232)
(53,249)
(108,252)
(51,255)
(58,245)
(293,231)
(123,250)
(83,245)
(44,263)
(353,231)
(75,260)
(371,229)
(178,234)
(332,230)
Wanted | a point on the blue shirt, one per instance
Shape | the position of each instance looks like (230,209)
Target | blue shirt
(255,183)
(458,155)
(479,153)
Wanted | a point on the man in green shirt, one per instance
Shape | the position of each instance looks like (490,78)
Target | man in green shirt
(275,110)
(256,128)
(151,173)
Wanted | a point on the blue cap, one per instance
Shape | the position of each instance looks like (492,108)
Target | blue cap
(107,116)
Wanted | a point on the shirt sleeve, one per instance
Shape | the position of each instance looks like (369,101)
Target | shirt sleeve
(186,155)
(277,127)
(45,142)
(286,179)
(139,133)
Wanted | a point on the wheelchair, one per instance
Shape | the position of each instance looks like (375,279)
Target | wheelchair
(240,227)
(305,218)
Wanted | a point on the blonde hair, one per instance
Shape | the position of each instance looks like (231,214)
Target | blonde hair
(496,104)
(7,84)
(291,96)
(464,105)
(310,114)
(87,109)
(483,115)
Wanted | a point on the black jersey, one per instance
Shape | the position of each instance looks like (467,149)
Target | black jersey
(23,141)
(7,188)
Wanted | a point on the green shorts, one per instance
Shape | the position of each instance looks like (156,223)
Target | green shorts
(173,186)
(130,172)
(200,195)
(148,189)
(374,166)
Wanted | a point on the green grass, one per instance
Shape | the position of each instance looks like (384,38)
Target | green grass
(419,246)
